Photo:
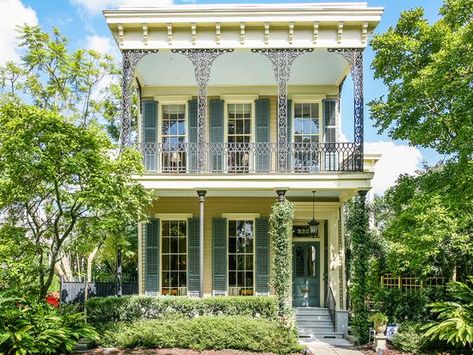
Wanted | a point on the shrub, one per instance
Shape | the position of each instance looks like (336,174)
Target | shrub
(205,333)
(454,324)
(29,326)
(406,305)
(131,308)
(409,338)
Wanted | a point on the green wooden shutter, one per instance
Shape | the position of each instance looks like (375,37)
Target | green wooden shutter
(263,151)
(193,257)
(150,134)
(219,256)
(192,123)
(151,262)
(289,135)
(216,134)
(262,256)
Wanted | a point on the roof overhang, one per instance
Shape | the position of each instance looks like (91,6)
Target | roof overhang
(311,25)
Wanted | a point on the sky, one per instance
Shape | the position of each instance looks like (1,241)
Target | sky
(83,23)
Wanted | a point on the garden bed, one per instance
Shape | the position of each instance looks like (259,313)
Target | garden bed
(203,333)
(173,351)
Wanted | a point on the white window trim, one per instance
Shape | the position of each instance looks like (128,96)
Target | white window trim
(239,98)
(240,217)
(172,99)
(173,216)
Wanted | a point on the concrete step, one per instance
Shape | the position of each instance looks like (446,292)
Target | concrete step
(309,324)
(319,329)
(313,312)
(307,334)
(313,317)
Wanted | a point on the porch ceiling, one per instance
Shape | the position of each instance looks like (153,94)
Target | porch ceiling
(242,67)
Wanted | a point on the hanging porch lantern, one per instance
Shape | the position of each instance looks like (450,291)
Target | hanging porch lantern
(313,223)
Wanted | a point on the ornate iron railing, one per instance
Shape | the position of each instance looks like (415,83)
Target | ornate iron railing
(241,158)
(331,304)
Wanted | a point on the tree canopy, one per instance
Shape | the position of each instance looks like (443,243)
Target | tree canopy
(58,178)
(428,70)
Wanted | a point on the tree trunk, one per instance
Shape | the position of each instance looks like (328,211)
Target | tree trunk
(119,271)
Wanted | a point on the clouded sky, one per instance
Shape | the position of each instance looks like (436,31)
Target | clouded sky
(82,22)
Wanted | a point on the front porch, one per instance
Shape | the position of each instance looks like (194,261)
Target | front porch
(236,249)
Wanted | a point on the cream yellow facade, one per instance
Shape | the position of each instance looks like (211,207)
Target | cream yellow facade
(240,105)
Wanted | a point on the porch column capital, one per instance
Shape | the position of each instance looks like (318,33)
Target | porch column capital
(130,58)
(201,194)
(281,195)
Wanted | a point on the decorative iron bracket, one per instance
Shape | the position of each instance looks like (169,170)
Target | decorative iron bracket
(354,57)
(202,60)
(130,58)
(282,60)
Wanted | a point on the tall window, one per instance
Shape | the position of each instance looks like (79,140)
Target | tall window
(173,138)
(240,258)
(174,257)
(306,136)
(239,137)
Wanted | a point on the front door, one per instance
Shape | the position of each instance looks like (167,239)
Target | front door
(306,274)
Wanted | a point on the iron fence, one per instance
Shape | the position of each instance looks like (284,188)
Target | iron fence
(73,292)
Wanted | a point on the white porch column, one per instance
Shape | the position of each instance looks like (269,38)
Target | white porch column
(201,194)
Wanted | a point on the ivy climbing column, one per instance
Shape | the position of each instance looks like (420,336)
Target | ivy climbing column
(280,223)
(360,255)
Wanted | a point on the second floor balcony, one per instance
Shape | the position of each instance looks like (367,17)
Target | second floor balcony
(246,158)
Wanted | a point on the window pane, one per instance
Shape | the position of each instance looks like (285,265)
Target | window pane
(165,280)
(165,245)
(182,229)
(182,279)
(232,242)
(182,245)
(165,263)
(165,228)
(182,262)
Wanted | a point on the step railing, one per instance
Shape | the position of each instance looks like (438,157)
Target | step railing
(244,158)
(331,304)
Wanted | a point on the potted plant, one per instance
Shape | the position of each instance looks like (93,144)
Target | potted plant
(380,321)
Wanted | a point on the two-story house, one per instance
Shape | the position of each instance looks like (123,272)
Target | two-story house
(240,105)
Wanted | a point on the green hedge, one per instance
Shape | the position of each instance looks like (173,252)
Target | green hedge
(131,308)
(204,333)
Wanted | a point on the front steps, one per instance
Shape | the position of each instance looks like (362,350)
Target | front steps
(314,322)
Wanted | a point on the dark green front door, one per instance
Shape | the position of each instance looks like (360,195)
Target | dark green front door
(306,274)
